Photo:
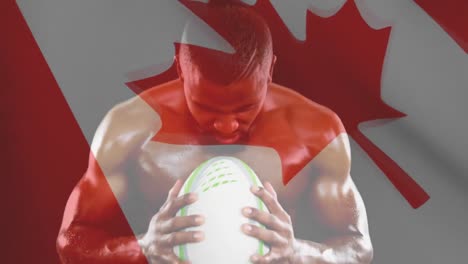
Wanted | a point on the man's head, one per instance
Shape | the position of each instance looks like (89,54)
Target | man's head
(225,92)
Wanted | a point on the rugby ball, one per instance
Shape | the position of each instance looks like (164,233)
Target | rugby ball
(223,187)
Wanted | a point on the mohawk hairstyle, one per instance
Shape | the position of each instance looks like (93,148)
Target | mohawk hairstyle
(242,28)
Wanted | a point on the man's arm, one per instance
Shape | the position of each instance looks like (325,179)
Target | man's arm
(335,199)
(94,229)
(341,207)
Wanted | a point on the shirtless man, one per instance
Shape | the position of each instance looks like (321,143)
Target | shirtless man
(221,104)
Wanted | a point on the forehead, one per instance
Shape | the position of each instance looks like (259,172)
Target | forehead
(248,88)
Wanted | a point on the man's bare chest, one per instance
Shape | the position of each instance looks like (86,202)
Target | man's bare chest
(161,164)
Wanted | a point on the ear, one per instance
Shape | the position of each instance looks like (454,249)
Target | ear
(179,68)
(272,67)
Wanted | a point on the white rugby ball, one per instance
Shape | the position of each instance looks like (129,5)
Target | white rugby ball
(223,187)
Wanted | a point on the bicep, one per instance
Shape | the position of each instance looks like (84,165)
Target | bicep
(92,218)
(340,205)
(94,200)
(96,197)
(333,191)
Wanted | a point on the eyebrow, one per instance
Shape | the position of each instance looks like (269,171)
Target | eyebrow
(209,108)
(202,105)
(246,106)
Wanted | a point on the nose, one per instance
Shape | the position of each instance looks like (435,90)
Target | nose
(226,125)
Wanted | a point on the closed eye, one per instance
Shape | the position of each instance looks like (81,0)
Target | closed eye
(246,108)
(207,108)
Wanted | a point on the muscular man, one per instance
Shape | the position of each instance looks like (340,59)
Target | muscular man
(221,104)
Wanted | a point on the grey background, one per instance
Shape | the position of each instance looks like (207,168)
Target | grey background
(92,46)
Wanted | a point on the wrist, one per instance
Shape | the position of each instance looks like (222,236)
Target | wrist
(296,257)
(143,244)
(307,252)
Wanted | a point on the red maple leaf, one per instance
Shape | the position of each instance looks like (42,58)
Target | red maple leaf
(339,65)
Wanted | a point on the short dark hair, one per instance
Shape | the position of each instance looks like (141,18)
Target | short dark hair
(244,29)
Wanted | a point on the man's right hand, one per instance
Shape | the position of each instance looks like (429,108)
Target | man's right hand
(165,229)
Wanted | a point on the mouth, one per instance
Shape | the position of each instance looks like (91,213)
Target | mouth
(228,139)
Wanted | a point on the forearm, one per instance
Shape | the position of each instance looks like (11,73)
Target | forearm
(342,250)
(80,244)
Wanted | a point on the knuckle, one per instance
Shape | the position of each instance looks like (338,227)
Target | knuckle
(163,209)
(174,260)
(159,214)
(255,230)
(159,226)
(280,259)
(271,236)
(155,218)
(187,197)
(171,239)
(179,222)
(279,239)
(271,218)
(189,222)
(262,192)
(157,244)
(177,203)
(171,192)
(284,215)
(254,212)
(178,236)
(268,200)
(169,205)
(168,225)
(151,249)
(274,194)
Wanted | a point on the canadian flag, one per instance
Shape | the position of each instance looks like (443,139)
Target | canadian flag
(400,67)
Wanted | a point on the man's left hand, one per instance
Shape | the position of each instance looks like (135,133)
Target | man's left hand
(279,234)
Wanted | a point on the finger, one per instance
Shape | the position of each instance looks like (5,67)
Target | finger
(169,259)
(271,203)
(179,261)
(179,238)
(172,258)
(173,206)
(270,189)
(174,191)
(265,218)
(270,237)
(156,256)
(269,258)
(178,223)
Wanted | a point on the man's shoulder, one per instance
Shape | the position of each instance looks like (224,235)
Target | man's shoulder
(305,114)
(132,110)
(125,125)
(167,96)
(318,128)
(148,104)
(321,130)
